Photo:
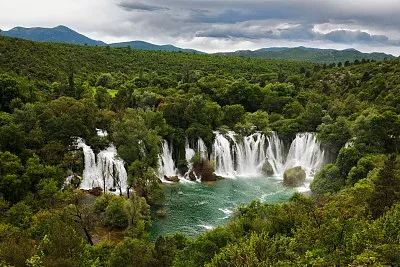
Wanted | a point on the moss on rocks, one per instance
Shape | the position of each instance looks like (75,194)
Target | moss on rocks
(294,177)
(267,169)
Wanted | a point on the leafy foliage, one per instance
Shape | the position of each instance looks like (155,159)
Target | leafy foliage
(50,94)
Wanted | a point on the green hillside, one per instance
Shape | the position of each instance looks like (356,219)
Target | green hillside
(312,54)
(50,94)
(51,61)
(152,47)
(59,34)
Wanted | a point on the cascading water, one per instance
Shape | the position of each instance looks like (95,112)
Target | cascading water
(107,172)
(204,207)
(189,154)
(306,152)
(223,156)
(250,154)
(202,149)
(113,171)
(245,156)
(274,153)
(166,162)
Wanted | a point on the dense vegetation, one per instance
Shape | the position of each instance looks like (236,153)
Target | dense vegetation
(317,55)
(52,93)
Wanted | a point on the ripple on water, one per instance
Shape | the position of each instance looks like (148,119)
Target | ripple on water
(201,203)
(196,208)
(226,211)
(206,226)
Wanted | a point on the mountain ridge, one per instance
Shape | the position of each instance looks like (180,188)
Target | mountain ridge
(137,44)
(60,33)
(301,53)
(64,34)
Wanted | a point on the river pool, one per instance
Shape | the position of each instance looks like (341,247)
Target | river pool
(192,208)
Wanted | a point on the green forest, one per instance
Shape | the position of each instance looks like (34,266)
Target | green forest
(50,94)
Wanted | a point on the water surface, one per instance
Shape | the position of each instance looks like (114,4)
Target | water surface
(192,208)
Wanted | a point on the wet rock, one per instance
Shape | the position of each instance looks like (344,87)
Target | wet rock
(192,176)
(75,180)
(96,191)
(294,177)
(161,213)
(205,170)
(173,179)
(267,169)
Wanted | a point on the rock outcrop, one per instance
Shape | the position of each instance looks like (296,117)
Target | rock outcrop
(294,177)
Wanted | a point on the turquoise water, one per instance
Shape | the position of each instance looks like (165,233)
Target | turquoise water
(192,208)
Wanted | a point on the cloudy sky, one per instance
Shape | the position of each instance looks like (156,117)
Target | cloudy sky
(220,25)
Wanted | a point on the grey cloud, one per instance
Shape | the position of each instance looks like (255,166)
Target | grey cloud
(294,32)
(255,30)
(138,6)
(261,19)
(343,36)
(307,11)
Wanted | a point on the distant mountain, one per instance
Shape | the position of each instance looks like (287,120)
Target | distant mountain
(149,46)
(63,34)
(310,54)
(59,34)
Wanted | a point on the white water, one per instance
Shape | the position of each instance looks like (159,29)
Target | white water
(106,170)
(233,156)
(223,156)
(189,154)
(245,156)
(202,149)
(274,154)
(166,162)
(306,152)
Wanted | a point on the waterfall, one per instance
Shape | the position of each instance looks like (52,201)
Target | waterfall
(107,172)
(306,152)
(91,174)
(245,156)
(251,154)
(189,154)
(166,162)
(274,153)
(202,149)
(223,156)
(235,156)
(101,133)
(112,169)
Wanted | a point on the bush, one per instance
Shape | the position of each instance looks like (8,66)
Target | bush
(364,166)
(116,214)
(347,158)
(132,253)
(328,180)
